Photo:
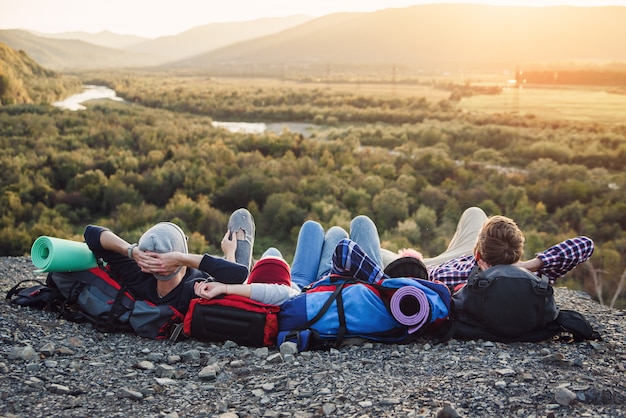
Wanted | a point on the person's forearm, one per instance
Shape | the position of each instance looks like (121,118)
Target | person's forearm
(237,289)
(112,242)
(533,265)
(189,260)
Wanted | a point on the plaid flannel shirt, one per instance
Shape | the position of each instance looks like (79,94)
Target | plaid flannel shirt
(350,260)
(557,261)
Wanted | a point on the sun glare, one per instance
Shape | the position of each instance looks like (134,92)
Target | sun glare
(149,18)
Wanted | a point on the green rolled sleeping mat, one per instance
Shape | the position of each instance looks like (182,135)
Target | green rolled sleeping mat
(61,255)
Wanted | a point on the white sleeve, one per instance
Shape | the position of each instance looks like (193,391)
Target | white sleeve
(271,293)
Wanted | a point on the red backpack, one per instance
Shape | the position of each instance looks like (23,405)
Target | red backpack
(233,318)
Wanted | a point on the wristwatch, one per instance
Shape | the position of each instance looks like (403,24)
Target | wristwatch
(130,250)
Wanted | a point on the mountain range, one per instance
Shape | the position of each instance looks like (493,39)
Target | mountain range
(435,37)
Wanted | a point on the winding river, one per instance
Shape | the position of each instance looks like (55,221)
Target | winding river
(92,92)
(89,93)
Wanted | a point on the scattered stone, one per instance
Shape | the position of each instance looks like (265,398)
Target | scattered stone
(208,373)
(33,367)
(164,381)
(131,394)
(237,363)
(145,365)
(75,342)
(34,381)
(173,359)
(364,380)
(230,344)
(27,353)
(448,411)
(47,350)
(506,372)
(65,351)
(59,389)
(288,348)
(190,356)
(275,358)
(154,357)
(261,352)
(328,408)
(553,358)
(564,396)
(164,370)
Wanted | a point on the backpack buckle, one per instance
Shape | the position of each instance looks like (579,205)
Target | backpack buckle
(543,284)
(482,283)
(177,329)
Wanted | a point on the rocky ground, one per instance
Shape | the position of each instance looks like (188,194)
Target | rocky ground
(51,367)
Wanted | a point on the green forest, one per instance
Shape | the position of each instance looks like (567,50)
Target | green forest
(411,164)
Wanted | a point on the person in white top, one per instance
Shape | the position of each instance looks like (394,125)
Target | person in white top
(269,282)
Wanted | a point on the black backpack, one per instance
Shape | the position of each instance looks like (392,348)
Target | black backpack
(508,303)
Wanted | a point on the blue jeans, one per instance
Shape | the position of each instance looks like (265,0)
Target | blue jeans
(314,250)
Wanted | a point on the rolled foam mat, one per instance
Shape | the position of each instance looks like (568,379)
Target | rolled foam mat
(61,255)
(409,306)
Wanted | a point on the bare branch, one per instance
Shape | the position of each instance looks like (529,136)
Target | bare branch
(619,289)
(597,281)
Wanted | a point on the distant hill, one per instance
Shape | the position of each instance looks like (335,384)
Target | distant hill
(442,36)
(82,50)
(67,54)
(104,38)
(206,38)
(426,38)
(22,80)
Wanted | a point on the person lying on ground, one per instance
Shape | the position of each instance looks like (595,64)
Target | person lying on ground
(269,282)
(160,269)
(486,242)
(272,281)
(313,258)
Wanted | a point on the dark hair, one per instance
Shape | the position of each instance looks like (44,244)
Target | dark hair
(407,267)
(500,241)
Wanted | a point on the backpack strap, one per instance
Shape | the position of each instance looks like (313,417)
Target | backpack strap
(111,321)
(294,335)
(325,307)
(543,287)
(15,289)
(473,276)
(341,332)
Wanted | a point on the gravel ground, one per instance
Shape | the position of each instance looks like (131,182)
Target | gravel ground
(51,367)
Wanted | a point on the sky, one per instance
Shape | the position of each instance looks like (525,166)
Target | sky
(154,18)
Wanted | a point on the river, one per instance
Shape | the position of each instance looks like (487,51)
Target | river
(92,92)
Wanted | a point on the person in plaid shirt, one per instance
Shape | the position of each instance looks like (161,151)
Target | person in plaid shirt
(487,242)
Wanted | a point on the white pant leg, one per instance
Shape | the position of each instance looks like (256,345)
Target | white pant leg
(464,238)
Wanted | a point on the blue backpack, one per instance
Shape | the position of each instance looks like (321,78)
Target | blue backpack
(336,307)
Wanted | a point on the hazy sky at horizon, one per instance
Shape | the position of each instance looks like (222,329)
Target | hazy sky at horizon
(154,18)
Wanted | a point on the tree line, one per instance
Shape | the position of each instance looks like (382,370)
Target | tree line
(411,165)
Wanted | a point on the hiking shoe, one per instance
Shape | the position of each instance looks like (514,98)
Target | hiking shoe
(242,220)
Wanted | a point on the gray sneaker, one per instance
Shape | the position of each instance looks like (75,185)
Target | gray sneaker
(242,220)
